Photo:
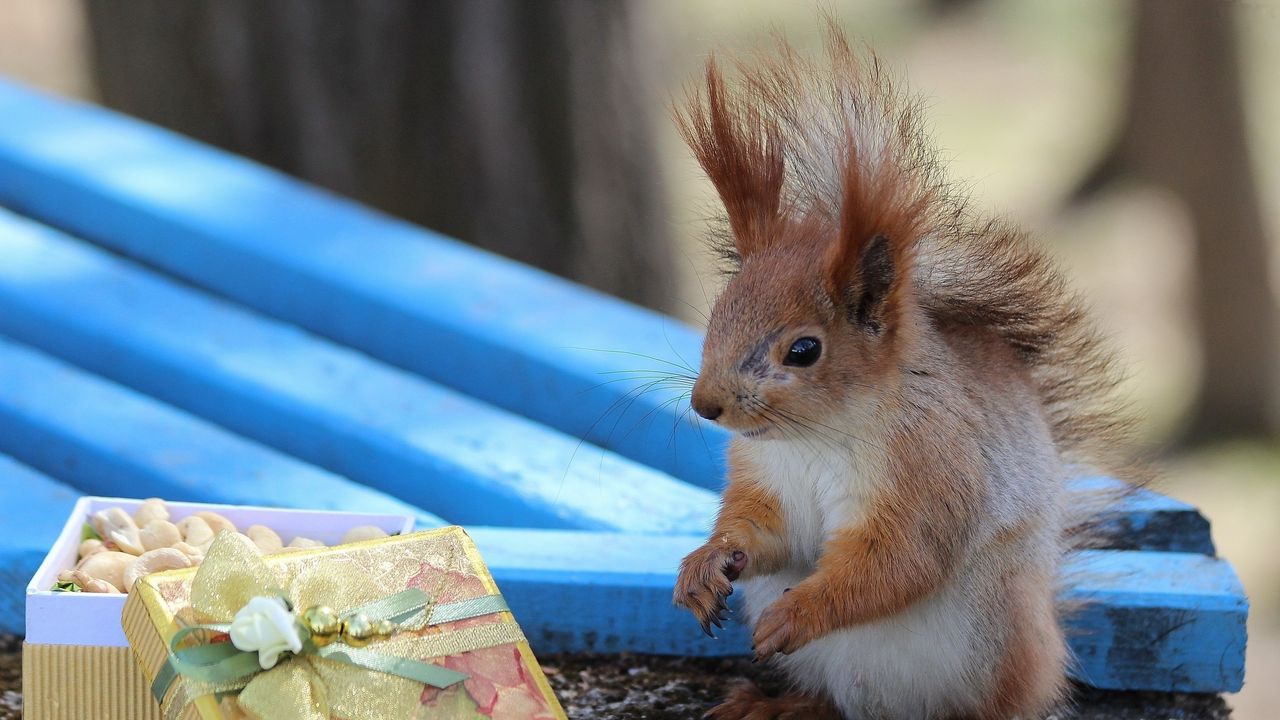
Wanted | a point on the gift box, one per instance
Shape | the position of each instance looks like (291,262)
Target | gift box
(76,661)
(400,627)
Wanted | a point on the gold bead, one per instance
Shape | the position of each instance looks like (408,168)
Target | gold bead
(324,624)
(384,628)
(357,631)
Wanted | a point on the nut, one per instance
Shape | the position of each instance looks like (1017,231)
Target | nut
(108,565)
(196,531)
(151,509)
(160,534)
(301,542)
(265,538)
(363,532)
(89,547)
(89,584)
(116,527)
(216,522)
(196,554)
(154,561)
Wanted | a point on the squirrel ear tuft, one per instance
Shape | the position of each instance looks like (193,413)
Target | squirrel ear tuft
(740,149)
(877,272)
(870,261)
(863,287)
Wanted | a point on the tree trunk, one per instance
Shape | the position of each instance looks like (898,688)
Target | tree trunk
(522,127)
(1185,130)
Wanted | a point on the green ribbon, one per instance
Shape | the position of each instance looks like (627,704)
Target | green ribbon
(221,663)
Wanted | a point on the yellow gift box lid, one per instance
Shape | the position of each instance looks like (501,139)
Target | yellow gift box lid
(503,679)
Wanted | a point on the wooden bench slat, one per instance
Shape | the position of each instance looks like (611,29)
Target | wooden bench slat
(104,439)
(1147,520)
(1150,621)
(1158,621)
(400,293)
(430,446)
(33,509)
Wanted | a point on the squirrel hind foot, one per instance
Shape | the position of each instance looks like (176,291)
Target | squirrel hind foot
(746,701)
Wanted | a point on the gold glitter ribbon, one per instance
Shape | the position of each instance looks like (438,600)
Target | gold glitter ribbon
(335,680)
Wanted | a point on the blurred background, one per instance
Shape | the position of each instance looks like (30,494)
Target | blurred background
(1140,141)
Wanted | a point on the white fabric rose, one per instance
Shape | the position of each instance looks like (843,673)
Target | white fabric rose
(267,626)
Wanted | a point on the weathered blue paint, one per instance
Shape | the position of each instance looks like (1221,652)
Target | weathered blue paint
(1153,621)
(599,592)
(495,329)
(1147,520)
(1158,621)
(33,509)
(104,439)
(449,454)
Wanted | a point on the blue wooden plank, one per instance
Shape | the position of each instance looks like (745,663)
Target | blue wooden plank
(1147,520)
(104,439)
(331,406)
(1158,621)
(33,509)
(1148,621)
(599,592)
(396,291)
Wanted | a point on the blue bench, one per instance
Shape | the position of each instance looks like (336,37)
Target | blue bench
(177,321)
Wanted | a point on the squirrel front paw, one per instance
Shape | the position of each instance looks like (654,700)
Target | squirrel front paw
(786,626)
(705,580)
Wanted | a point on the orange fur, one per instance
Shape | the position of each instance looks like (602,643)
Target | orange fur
(904,551)
(907,479)
(748,522)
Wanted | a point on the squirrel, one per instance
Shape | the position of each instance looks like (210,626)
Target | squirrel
(909,386)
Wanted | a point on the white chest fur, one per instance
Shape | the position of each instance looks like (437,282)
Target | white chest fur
(821,488)
(930,642)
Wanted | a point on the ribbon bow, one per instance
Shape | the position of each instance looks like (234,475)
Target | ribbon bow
(332,673)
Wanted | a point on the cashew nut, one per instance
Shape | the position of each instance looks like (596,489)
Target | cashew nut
(301,542)
(160,534)
(108,565)
(115,526)
(196,554)
(151,509)
(196,531)
(89,547)
(216,522)
(154,561)
(363,532)
(88,584)
(265,538)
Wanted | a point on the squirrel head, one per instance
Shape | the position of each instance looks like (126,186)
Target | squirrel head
(824,222)
(784,347)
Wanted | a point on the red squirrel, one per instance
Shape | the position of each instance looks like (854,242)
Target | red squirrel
(909,387)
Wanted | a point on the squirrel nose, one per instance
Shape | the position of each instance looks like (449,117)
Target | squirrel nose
(707,410)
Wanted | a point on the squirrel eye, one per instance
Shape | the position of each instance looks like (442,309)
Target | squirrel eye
(804,352)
